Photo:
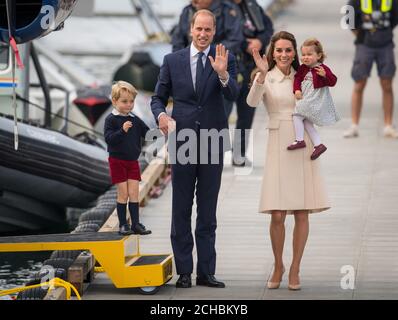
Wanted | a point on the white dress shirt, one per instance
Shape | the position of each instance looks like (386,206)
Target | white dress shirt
(116,112)
(193,58)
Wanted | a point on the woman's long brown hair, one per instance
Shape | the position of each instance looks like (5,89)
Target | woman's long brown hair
(270,58)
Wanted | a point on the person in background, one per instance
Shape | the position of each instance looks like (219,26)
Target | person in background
(228,25)
(373,30)
(257,30)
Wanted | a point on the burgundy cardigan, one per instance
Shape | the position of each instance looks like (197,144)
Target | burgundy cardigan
(329,80)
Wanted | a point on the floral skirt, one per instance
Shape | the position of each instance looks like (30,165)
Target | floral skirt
(317,105)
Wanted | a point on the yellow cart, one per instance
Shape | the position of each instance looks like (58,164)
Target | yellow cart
(118,255)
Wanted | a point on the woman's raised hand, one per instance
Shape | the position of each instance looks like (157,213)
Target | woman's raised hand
(261,62)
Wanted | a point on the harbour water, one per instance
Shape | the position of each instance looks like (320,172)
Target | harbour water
(17,268)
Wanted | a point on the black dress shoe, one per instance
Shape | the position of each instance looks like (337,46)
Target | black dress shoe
(184,281)
(139,228)
(209,281)
(125,230)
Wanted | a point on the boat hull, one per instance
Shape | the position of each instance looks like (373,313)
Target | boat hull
(49,172)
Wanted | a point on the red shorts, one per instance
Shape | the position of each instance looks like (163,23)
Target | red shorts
(123,170)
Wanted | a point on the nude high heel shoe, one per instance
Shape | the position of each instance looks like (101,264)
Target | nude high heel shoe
(275,285)
(294,287)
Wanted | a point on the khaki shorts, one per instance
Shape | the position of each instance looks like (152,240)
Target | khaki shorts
(364,58)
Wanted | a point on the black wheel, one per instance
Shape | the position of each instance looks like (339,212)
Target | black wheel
(32,294)
(90,223)
(38,276)
(109,195)
(87,227)
(72,216)
(95,216)
(68,254)
(148,290)
(108,205)
(63,263)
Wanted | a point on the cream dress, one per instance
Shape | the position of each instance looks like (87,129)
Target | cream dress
(291,180)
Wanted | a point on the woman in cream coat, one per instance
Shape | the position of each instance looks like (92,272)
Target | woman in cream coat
(292,183)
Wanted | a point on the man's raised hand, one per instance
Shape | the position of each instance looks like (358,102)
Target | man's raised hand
(220,63)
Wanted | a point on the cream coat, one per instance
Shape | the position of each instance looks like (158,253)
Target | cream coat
(291,180)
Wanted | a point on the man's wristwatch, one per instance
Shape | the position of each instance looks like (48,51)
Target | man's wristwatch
(223,79)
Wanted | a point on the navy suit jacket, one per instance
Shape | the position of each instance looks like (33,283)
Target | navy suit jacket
(190,110)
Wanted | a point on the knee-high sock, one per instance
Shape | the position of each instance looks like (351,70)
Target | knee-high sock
(121,213)
(299,127)
(133,208)
(314,135)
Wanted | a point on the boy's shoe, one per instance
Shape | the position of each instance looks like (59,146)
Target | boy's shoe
(390,132)
(297,145)
(318,150)
(351,132)
(125,230)
(139,228)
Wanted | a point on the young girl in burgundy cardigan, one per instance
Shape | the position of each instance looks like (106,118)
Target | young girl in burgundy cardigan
(314,102)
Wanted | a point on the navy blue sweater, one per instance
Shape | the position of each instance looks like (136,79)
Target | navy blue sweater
(124,145)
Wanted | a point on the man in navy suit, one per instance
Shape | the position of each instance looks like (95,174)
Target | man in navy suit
(197,77)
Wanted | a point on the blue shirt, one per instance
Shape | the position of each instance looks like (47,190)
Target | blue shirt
(124,145)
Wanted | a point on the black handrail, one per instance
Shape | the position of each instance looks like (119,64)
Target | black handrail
(44,86)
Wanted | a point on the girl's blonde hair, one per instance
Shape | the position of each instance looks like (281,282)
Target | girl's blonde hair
(120,86)
(318,47)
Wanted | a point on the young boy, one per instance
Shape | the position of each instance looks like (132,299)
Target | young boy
(123,131)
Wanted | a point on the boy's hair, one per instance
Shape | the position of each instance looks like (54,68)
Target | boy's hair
(120,86)
(318,47)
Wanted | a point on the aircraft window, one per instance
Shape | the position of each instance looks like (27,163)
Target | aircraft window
(4,54)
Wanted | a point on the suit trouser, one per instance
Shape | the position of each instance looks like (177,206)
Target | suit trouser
(228,106)
(206,179)
(244,120)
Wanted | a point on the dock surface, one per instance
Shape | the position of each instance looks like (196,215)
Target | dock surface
(358,234)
